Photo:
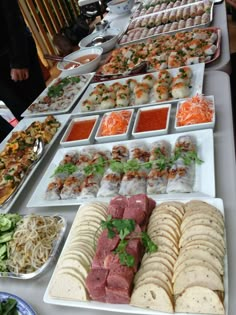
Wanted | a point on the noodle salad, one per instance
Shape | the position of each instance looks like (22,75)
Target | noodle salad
(31,243)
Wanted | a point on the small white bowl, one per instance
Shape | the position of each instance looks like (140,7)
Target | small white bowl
(196,126)
(84,68)
(155,132)
(65,143)
(106,46)
(120,7)
(118,137)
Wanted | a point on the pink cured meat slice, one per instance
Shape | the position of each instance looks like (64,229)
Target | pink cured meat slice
(116,211)
(135,248)
(120,278)
(151,205)
(135,213)
(140,201)
(96,283)
(117,296)
(111,261)
(120,201)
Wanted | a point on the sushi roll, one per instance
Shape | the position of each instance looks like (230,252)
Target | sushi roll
(149,80)
(180,90)
(107,103)
(161,93)
(161,82)
(186,72)
(101,88)
(122,100)
(111,95)
(123,90)
(180,79)
(116,86)
(141,96)
(87,106)
(175,60)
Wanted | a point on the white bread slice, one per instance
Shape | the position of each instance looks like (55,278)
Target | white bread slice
(197,275)
(152,296)
(199,300)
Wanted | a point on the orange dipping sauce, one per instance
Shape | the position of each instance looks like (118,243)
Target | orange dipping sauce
(81,130)
(82,60)
(153,119)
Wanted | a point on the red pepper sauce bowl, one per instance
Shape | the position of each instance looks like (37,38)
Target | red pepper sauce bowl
(152,121)
(81,131)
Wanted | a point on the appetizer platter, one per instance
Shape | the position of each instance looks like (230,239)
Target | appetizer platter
(29,244)
(60,96)
(184,18)
(141,90)
(14,303)
(165,51)
(28,143)
(100,171)
(175,273)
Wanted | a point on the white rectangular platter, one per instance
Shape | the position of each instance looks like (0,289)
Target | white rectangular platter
(196,88)
(204,175)
(70,102)
(125,308)
(22,125)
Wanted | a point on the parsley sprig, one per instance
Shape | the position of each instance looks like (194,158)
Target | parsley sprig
(124,227)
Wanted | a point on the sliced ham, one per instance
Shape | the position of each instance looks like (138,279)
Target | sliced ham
(96,283)
(135,213)
(120,278)
(117,296)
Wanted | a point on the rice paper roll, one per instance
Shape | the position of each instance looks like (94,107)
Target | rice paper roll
(165,18)
(189,22)
(159,149)
(53,189)
(181,177)
(174,26)
(110,184)
(206,18)
(194,10)
(70,157)
(163,6)
(158,20)
(133,182)
(173,16)
(177,4)
(200,9)
(72,186)
(197,20)
(185,143)
(151,22)
(139,151)
(170,5)
(120,153)
(186,13)
(157,181)
(90,186)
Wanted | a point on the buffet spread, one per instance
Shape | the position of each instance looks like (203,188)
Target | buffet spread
(149,234)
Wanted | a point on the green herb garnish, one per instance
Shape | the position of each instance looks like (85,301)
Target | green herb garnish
(68,168)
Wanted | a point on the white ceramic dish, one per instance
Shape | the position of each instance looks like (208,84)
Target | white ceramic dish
(125,308)
(106,46)
(65,143)
(151,133)
(196,126)
(204,184)
(22,125)
(53,255)
(83,68)
(67,103)
(196,88)
(118,137)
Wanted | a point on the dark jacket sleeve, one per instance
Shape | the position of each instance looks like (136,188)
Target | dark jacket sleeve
(16,34)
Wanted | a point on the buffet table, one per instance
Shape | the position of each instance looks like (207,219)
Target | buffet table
(33,290)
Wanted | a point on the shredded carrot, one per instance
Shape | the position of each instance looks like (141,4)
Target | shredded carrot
(195,110)
(115,123)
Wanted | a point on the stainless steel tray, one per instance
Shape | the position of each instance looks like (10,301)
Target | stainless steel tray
(53,255)
(141,33)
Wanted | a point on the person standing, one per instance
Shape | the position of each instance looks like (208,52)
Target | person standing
(21,77)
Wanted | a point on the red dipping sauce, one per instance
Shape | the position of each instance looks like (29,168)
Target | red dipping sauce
(81,130)
(153,119)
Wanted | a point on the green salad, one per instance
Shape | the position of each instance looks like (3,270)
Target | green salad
(8,307)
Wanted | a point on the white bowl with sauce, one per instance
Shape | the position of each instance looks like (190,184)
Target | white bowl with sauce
(110,36)
(120,7)
(89,59)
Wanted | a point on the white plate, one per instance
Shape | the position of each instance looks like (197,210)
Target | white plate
(196,88)
(22,125)
(125,308)
(204,177)
(28,113)
(23,308)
